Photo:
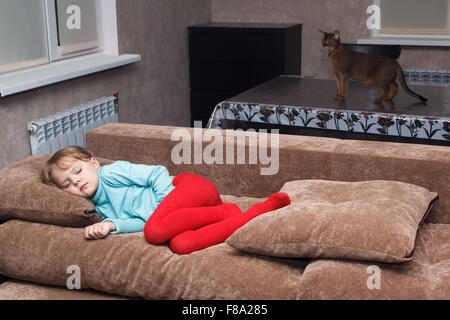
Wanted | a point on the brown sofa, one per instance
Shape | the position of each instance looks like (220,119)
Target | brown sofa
(34,256)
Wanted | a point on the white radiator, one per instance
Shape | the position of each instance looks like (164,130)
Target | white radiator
(68,127)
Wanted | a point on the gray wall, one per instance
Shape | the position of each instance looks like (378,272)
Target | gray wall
(349,16)
(153,91)
(156,90)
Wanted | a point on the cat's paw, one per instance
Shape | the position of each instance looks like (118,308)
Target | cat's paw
(377,100)
(339,97)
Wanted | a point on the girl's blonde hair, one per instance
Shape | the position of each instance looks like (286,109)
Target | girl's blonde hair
(73,152)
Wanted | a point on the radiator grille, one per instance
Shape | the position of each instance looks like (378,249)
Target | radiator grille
(68,127)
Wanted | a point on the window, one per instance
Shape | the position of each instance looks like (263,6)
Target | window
(74,24)
(414,17)
(22,34)
(47,41)
(411,23)
(43,31)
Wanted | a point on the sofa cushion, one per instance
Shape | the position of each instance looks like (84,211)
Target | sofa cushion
(22,290)
(300,157)
(426,276)
(369,220)
(244,203)
(125,264)
(23,196)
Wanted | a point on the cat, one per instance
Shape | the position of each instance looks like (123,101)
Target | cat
(373,70)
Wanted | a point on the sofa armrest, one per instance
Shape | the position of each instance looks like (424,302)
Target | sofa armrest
(299,157)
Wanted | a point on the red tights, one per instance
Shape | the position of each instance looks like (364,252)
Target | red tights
(193,217)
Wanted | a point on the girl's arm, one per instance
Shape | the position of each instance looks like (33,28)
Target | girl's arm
(99,230)
(126,225)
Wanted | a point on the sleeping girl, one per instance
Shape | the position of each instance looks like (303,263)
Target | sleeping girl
(185,210)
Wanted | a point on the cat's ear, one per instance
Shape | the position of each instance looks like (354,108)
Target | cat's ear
(336,34)
(321,31)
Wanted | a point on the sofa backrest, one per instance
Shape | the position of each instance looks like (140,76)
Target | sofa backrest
(299,157)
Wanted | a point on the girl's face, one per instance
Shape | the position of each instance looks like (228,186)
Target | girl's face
(76,176)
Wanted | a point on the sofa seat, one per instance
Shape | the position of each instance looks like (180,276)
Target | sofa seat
(125,264)
(23,290)
(426,276)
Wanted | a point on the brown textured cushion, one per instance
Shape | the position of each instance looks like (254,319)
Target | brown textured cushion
(426,276)
(126,264)
(23,290)
(370,220)
(23,196)
(244,203)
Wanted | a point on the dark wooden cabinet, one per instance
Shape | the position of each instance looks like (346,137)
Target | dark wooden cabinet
(229,58)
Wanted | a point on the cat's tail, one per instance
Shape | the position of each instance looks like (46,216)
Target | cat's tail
(401,78)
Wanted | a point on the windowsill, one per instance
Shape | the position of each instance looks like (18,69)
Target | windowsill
(22,80)
(403,41)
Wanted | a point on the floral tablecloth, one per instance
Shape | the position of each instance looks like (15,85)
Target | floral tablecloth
(381,123)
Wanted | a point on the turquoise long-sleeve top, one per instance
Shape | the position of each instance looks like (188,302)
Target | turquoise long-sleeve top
(128,193)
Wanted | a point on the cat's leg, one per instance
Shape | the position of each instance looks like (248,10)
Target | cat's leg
(344,85)
(339,83)
(393,90)
(384,91)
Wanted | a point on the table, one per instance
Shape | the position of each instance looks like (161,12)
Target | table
(306,105)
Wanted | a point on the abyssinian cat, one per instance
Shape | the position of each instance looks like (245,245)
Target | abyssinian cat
(373,70)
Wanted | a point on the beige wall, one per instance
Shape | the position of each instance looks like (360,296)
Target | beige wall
(153,91)
(349,16)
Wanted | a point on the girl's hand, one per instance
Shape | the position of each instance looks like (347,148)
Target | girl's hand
(99,230)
